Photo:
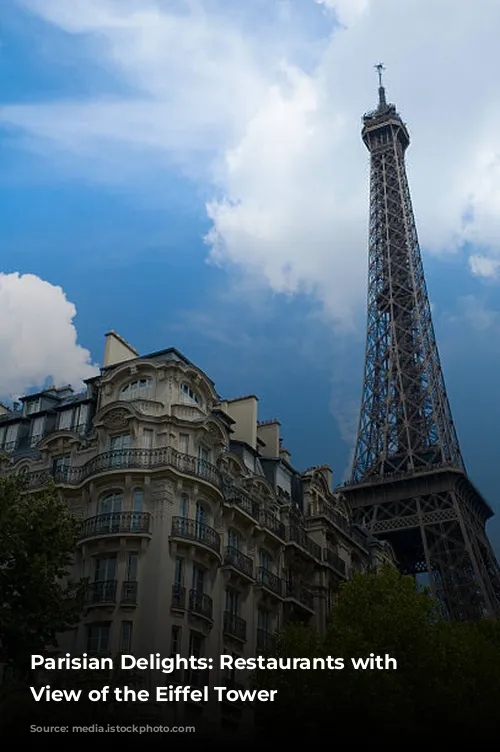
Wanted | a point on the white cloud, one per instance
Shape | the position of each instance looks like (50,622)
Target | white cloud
(38,339)
(256,105)
(484,266)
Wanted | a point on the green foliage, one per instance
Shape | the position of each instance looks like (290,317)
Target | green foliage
(447,681)
(37,542)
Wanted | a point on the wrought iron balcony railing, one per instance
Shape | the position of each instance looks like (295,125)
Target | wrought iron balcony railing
(300,593)
(265,639)
(272,523)
(192,530)
(114,523)
(333,559)
(200,604)
(178,597)
(128,459)
(270,581)
(101,592)
(235,558)
(322,509)
(266,519)
(235,626)
(298,536)
(129,593)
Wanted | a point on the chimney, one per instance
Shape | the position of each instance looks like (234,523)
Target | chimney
(243,410)
(268,431)
(116,350)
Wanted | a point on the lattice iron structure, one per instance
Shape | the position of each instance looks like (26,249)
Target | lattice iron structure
(409,484)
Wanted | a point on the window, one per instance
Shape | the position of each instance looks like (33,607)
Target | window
(111,503)
(2,436)
(175,640)
(138,389)
(65,420)
(198,580)
(81,418)
(188,395)
(234,540)
(32,407)
(137,504)
(11,437)
(196,649)
(196,644)
(105,568)
(98,637)
(184,443)
(61,468)
(200,522)
(126,637)
(263,620)
(148,438)
(119,446)
(203,461)
(266,560)
(232,601)
(184,506)
(179,572)
(131,567)
(37,428)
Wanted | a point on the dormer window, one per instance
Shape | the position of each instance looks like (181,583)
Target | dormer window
(32,407)
(138,389)
(188,394)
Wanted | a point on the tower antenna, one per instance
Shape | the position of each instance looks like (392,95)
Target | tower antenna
(380,67)
(381,91)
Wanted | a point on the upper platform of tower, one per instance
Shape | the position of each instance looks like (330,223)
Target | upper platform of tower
(383,125)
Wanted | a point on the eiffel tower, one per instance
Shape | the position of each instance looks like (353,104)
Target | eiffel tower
(409,485)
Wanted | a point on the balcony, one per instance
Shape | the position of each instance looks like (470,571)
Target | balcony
(265,640)
(238,561)
(235,626)
(272,523)
(101,593)
(269,581)
(243,501)
(300,594)
(297,536)
(200,605)
(322,509)
(128,459)
(334,561)
(178,598)
(116,523)
(129,593)
(196,532)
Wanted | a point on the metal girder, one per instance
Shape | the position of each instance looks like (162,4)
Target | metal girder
(435,522)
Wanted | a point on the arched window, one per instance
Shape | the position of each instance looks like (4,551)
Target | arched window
(188,395)
(138,389)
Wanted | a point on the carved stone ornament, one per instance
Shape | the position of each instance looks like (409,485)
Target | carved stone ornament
(117,418)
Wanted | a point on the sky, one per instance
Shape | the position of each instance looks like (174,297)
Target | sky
(190,173)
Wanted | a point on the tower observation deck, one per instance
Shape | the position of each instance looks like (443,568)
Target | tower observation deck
(408,482)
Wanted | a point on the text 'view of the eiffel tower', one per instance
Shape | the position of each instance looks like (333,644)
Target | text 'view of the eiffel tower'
(409,485)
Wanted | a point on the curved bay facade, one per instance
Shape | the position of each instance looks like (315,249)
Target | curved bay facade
(198,537)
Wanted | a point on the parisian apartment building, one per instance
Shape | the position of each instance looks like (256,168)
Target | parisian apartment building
(199,537)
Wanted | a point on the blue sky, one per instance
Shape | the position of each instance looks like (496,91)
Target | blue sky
(191,174)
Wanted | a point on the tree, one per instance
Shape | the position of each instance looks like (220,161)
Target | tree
(38,537)
(446,685)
